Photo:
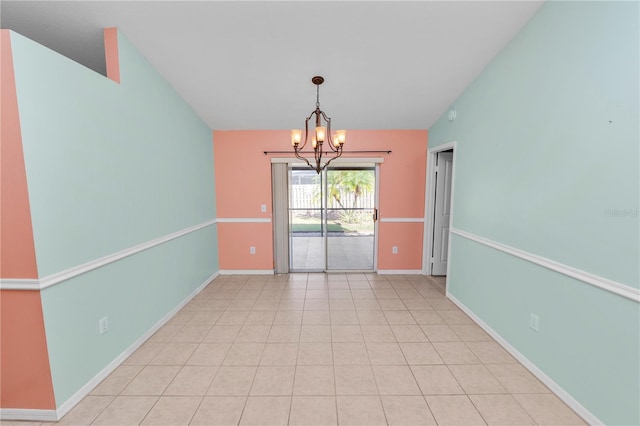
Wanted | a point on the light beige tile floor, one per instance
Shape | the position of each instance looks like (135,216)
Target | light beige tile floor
(317,349)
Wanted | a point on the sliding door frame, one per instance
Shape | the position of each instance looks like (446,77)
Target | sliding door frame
(281,211)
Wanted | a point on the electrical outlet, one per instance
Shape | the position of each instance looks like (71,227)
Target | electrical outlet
(252,250)
(263,208)
(534,322)
(394,249)
(103,325)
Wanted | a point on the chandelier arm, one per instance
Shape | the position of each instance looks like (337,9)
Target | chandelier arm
(337,156)
(306,127)
(312,114)
(327,119)
(329,135)
(306,133)
(302,158)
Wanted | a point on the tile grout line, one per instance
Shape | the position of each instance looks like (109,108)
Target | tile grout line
(398,290)
(295,368)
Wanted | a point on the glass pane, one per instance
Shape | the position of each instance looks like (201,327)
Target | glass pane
(306,230)
(350,225)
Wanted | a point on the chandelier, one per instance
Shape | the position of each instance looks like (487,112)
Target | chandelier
(322,134)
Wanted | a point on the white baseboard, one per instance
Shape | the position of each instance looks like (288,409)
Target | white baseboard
(91,384)
(27,414)
(399,271)
(548,381)
(246,272)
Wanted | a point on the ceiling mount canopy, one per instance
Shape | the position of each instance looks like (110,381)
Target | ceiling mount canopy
(322,134)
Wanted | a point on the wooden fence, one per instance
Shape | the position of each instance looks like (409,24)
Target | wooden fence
(309,197)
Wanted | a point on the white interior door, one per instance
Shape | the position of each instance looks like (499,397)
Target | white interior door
(442,213)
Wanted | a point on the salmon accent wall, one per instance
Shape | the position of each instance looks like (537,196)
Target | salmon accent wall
(408,237)
(243,183)
(403,173)
(17,251)
(239,237)
(24,360)
(243,172)
(111,54)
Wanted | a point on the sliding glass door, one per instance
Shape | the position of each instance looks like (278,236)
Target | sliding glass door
(350,200)
(306,220)
(332,219)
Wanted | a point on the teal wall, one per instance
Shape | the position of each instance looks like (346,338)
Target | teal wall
(588,341)
(110,166)
(547,161)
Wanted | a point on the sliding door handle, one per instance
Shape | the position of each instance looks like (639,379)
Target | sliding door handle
(375,214)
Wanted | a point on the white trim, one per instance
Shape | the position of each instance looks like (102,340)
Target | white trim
(19,284)
(429,203)
(244,220)
(548,381)
(290,160)
(402,219)
(586,277)
(399,271)
(341,160)
(97,263)
(246,272)
(376,224)
(357,161)
(28,414)
(95,381)
(58,277)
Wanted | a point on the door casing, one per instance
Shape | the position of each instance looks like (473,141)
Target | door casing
(429,209)
(343,162)
(442,213)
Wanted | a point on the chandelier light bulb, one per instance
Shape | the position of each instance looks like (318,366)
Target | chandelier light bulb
(340,138)
(296,136)
(320,133)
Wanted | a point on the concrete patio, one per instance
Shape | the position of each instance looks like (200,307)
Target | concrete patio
(353,253)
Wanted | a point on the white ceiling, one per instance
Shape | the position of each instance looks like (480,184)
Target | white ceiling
(248,65)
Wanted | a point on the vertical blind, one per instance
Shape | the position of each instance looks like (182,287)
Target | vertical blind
(280,188)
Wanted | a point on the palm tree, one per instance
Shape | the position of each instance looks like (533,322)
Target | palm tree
(342,182)
(356,182)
